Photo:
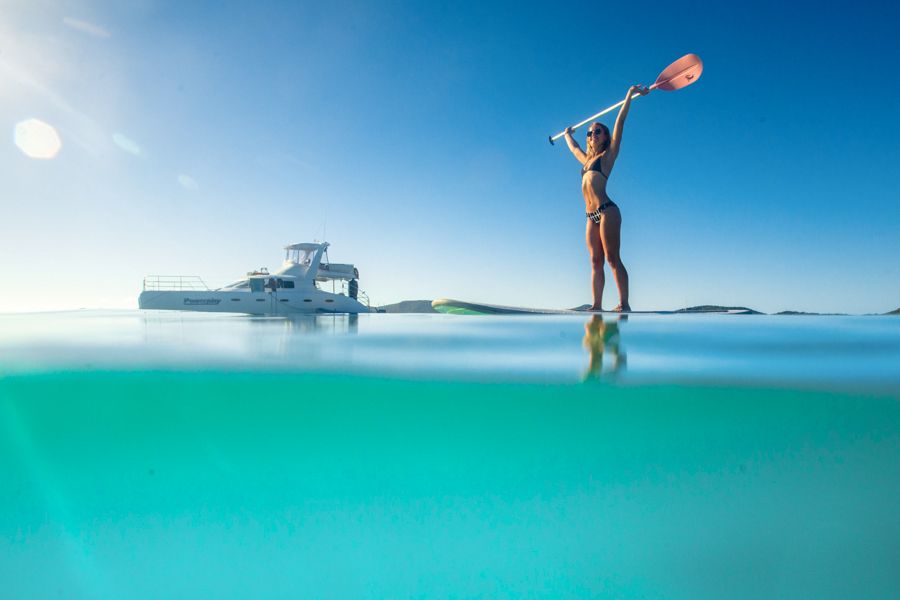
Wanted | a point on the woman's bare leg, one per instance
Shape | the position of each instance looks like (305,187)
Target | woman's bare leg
(610,237)
(598,279)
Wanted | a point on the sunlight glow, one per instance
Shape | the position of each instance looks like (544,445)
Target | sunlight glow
(37,139)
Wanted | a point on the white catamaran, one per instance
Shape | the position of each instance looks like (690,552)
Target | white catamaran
(292,289)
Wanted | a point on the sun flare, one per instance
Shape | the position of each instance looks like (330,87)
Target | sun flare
(37,139)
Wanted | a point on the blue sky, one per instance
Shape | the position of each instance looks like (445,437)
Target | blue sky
(199,138)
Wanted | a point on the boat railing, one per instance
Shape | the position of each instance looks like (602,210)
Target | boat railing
(179,283)
(363,298)
(342,286)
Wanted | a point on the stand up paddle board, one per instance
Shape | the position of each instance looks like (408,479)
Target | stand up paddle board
(458,307)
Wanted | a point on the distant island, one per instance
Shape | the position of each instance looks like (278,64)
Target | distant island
(424,306)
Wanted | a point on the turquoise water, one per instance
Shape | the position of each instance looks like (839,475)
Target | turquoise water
(422,456)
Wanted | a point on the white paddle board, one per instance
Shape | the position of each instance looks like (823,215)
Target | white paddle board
(459,307)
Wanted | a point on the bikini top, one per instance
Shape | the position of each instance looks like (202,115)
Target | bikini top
(595,166)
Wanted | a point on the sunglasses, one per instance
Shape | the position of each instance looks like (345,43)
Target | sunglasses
(594,132)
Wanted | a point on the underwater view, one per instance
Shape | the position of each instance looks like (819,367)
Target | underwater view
(149,455)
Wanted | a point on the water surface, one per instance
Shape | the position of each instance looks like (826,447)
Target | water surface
(152,455)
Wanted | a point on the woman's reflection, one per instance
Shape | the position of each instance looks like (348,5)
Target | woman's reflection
(600,337)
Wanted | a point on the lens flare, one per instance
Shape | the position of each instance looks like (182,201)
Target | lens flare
(86,27)
(188,183)
(126,144)
(37,139)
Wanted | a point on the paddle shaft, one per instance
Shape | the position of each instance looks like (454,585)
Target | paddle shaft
(599,114)
(603,112)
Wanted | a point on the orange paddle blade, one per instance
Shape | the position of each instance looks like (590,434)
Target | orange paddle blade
(681,73)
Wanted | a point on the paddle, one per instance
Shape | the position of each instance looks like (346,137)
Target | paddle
(681,73)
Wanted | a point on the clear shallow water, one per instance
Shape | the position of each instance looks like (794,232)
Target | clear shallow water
(167,455)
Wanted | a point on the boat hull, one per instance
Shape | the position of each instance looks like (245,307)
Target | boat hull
(253,303)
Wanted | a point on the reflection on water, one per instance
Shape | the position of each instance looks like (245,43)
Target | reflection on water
(851,352)
(294,344)
(604,337)
(300,324)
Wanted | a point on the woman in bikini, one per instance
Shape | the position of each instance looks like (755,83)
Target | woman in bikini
(604,221)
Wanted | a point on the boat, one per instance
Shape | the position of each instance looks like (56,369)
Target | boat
(300,286)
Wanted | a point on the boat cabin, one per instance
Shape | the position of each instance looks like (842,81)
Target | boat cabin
(309,255)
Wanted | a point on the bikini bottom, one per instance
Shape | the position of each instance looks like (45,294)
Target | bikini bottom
(595,216)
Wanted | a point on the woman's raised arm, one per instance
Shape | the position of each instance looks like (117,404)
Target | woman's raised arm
(574,147)
(620,120)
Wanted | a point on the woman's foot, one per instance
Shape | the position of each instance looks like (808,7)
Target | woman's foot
(596,309)
(622,308)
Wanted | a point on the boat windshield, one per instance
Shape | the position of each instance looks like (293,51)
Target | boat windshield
(301,256)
